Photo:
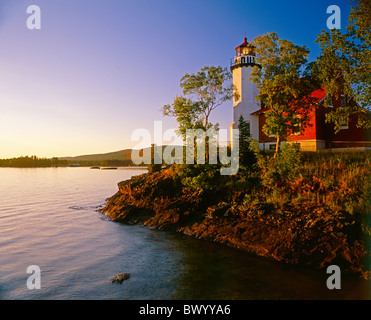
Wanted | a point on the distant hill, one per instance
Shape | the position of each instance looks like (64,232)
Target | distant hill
(117,155)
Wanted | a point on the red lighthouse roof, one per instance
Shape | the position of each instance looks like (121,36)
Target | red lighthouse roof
(244,44)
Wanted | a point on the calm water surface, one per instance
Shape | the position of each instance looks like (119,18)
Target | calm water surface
(48,218)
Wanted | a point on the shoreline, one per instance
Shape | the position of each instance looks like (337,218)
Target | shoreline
(307,237)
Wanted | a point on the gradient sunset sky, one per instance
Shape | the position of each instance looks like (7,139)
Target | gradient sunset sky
(99,69)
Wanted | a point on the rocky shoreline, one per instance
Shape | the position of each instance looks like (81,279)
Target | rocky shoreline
(309,235)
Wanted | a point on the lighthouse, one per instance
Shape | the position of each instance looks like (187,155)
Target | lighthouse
(245,104)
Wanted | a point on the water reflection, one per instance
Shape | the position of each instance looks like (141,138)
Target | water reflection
(212,272)
(48,217)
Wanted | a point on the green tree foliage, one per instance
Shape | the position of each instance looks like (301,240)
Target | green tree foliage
(277,170)
(154,167)
(198,176)
(203,92)
(285,85)
(344,64)
(247,156)
(35,162)
(32,162)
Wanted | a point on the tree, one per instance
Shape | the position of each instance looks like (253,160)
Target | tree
(284,80)
(247,157)
(154,167)
(344,65)
(203,92)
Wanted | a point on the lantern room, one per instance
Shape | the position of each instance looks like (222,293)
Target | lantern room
(245,49)
(245,55)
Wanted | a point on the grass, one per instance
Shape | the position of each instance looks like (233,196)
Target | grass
(334,179)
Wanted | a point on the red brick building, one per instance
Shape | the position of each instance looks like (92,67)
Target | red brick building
(318,134)
(315,136)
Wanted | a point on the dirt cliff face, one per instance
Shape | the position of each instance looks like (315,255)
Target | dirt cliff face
(309,235)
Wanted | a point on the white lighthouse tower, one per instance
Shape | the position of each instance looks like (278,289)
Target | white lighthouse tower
(241,66)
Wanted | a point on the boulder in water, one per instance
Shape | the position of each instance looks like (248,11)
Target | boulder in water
(121,277)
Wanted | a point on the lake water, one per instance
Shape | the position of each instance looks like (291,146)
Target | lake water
(48,218)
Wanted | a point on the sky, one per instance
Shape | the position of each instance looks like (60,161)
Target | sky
(98,70)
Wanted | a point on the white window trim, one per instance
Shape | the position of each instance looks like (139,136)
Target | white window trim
(299,125)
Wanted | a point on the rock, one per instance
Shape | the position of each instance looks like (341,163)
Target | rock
(307,234)
(265,207)
(219,210)
(121,277)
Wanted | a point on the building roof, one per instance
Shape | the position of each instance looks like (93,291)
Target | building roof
(260,111)
(244,44)
(320,94)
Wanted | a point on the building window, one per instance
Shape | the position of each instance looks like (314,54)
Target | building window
(344,123)
(271,134)
(272,147)
(329,101)
(296,125)
(343,101)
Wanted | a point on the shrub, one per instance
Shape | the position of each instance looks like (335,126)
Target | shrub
(152,167)
(247,156)
(284,167)
(198,176)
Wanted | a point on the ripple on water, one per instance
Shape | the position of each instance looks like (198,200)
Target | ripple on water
(49,218)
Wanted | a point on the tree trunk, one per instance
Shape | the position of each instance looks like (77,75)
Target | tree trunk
(206,140)
(206,121)
(277,146)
